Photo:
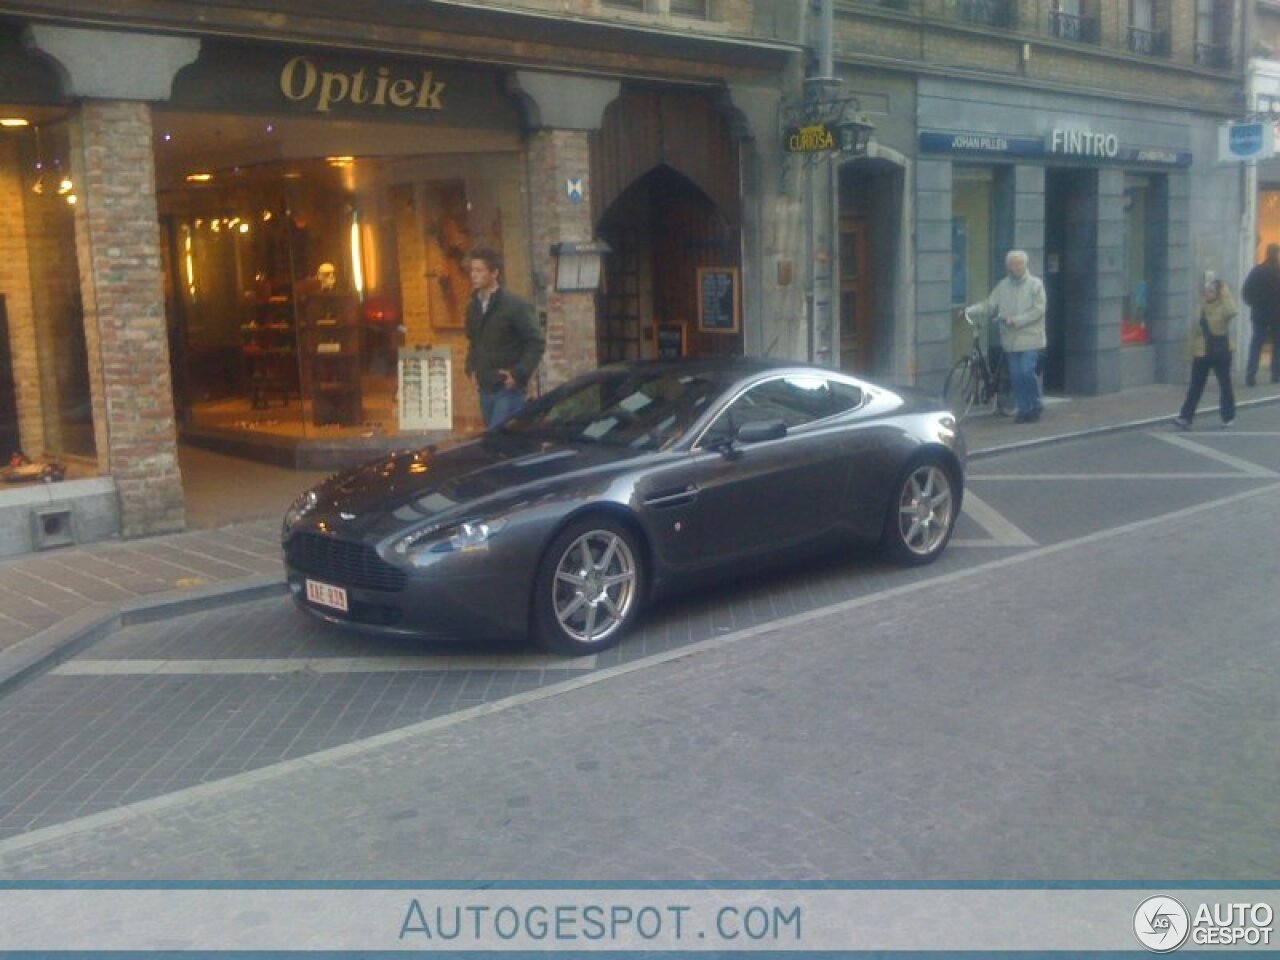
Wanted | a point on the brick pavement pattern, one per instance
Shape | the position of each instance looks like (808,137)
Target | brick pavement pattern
(781,752)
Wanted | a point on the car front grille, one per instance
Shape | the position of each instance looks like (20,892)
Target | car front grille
(342,563)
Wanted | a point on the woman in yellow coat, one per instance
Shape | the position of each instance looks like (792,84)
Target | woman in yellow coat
(1211,344)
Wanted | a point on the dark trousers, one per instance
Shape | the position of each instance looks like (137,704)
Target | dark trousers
(1264,328)
(1200,367)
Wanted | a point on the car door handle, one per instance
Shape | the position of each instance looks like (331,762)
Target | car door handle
(679,497)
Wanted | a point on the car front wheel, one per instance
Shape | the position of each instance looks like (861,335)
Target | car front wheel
(588,588)
(922,513)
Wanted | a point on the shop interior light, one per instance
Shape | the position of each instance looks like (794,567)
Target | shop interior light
(65,186)
(199,177)
(14,122)
(357,261)
(340,161)
(72,198)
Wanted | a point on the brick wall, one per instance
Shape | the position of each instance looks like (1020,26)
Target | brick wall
(118,245)
(554,157)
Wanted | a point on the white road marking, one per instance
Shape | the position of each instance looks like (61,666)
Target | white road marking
(1003,532)
(232,666)
(1188,443)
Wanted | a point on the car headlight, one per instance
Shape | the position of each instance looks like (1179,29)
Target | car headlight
(469,535)
(303,504)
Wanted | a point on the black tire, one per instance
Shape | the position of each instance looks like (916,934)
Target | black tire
(589,587)
(959,388)
(923,509)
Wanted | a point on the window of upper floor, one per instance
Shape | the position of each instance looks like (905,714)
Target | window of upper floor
(695,9)
(993,13)
(1149,27)
(1214,20)
(1075,20)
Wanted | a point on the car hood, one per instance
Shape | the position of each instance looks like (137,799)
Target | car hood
(408,487)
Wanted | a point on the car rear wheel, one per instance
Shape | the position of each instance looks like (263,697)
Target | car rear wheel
(588,588)
(922,513)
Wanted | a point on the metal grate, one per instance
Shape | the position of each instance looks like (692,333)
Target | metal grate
(342,562)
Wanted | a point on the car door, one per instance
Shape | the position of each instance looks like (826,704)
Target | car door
(729,500)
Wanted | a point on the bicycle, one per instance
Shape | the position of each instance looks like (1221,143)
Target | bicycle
(978,378)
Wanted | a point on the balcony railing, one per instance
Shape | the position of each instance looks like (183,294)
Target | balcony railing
(1153,43)
(1217,55)
(1069,26)
(994,13)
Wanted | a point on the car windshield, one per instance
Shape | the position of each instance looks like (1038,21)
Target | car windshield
(640,409)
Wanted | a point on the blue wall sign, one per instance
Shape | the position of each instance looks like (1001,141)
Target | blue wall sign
(1071,145)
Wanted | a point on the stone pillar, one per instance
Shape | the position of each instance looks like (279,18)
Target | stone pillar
(562,110)
(555,158)
(118,248)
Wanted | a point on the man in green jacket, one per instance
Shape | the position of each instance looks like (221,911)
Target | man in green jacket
(504,342)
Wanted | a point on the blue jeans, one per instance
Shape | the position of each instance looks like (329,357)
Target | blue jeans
(497,406)
(1022,371)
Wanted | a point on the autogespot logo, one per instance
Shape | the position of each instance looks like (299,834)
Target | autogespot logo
(1161,924)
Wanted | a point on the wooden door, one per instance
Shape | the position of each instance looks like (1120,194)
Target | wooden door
(857,314)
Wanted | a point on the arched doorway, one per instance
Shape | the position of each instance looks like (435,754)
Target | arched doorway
(665,181)
(661,229)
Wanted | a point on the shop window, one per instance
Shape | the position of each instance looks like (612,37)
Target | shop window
(1139,261)
(297,285)
(41,282)
(972,244)
(1268,219)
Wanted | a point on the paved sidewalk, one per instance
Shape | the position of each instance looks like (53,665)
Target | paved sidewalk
(55,603)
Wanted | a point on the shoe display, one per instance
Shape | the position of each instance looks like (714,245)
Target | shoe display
(1182,423)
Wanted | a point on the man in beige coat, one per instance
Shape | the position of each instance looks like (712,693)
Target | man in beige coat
(1017,304)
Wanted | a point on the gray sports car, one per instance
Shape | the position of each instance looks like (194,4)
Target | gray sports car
(621,486)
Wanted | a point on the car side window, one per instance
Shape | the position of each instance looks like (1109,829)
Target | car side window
(794,400)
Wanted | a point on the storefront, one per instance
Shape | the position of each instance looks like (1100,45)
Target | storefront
(1103,197)
(260,246)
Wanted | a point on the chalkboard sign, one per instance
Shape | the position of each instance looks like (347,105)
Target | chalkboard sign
(670,340)
(718,308)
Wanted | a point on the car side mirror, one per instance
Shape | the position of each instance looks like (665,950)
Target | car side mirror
(760,430)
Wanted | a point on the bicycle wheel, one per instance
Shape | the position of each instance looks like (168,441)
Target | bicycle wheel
(960,388)
(1004,386)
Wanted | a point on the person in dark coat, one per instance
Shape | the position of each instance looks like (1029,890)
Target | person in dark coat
(504,341)
(1261,292)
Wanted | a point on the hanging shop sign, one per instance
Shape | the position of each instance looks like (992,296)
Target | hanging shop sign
(1254,140)
(815,138)
(1066,143)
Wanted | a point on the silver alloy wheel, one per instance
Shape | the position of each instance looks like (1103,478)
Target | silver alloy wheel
(925,508)
(594,586)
